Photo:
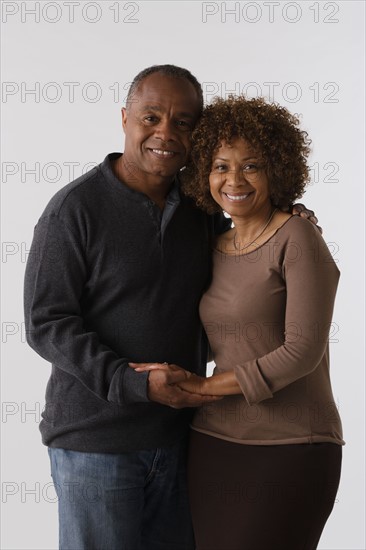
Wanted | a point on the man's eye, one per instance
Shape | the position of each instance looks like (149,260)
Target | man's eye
(184,124)
(150,118)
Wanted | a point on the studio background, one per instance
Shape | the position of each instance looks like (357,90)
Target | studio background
(66,67)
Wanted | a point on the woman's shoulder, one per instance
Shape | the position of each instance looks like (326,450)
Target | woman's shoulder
(296,226)
(301,234)
(287,227)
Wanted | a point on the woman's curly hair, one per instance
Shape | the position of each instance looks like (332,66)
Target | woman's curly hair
(270,129)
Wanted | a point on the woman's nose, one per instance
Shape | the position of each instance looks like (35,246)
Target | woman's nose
(235,177)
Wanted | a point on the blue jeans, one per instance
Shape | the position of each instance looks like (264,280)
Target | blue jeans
(130,501)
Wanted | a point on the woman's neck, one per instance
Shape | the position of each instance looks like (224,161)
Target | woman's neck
(247,229)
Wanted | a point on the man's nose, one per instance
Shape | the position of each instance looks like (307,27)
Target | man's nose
(165,130)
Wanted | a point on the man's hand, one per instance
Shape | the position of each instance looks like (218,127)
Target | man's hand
(299,209)
(163,385)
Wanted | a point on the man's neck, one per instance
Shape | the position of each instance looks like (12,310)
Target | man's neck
(155,187)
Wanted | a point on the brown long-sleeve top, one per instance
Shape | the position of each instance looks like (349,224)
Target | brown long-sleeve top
(267,315)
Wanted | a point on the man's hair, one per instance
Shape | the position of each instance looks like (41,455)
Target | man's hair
(165,70)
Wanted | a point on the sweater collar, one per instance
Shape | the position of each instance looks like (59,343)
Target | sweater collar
(173,197)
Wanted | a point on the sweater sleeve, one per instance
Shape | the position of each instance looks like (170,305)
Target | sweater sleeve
(311,277)
(56,274)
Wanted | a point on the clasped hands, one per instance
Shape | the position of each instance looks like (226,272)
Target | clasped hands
(174,386)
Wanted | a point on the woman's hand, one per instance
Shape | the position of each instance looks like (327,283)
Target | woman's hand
(164,385)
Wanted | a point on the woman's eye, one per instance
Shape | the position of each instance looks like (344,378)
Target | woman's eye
(220,167)
(251,168)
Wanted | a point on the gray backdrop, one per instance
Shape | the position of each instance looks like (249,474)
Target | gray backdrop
(66,67)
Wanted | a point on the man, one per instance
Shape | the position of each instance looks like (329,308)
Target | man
(118,263)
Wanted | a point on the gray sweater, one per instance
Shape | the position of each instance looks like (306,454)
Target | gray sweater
(110,279)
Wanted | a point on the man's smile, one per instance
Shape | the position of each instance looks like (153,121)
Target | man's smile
(163,152)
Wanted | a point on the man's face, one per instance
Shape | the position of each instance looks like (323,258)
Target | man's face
(158,124)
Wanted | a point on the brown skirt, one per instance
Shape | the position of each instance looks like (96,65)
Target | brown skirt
(252,497)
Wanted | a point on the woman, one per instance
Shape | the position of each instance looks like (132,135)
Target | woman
(265,461)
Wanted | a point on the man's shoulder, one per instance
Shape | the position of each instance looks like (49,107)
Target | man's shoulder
(73,193)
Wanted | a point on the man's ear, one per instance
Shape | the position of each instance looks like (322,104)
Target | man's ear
(124,118)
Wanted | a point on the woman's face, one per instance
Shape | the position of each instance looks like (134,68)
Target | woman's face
(238,180)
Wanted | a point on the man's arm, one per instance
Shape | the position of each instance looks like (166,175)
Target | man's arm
(55,278)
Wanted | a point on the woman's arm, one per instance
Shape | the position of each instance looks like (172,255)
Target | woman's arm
(224,383)
(311,281)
